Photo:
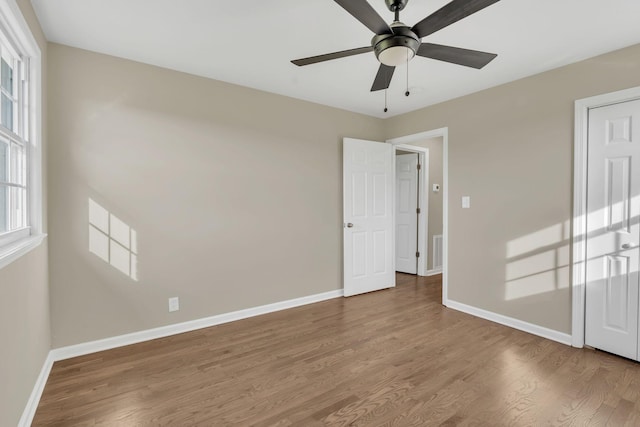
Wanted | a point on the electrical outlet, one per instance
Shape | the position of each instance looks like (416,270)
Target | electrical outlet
(174,304)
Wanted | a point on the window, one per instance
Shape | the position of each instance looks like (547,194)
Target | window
(20,165)
(13,141)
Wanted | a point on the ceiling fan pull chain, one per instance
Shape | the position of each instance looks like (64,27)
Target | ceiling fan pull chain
(407,92)
(385,101)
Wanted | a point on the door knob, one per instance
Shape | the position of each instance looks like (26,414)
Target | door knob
(626,246)
(349,225)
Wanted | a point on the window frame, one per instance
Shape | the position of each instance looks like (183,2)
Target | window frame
(14,28)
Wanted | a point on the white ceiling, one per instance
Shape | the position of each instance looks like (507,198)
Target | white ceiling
(250,43)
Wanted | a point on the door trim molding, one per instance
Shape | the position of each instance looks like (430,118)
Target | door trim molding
(423,203)
(579,229)
(444,133)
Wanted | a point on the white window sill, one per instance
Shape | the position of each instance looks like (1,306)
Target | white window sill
(15,250)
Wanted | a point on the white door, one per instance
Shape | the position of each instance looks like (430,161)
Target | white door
(407,213)
(368,216)
(613,206)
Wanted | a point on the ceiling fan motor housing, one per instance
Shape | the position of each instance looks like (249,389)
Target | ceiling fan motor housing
(402,37)
(394,5)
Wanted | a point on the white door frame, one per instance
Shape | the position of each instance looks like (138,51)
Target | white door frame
(423,204)
(579,234)
(406,141)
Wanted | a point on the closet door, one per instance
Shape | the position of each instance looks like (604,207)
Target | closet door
(613,206)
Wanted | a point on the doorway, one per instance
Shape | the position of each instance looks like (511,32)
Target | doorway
(432,237)
(369,214)
(606,254)
(411,209)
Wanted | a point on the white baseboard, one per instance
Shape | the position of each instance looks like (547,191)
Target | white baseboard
(433,272)
(32,404)
(512,323)
(178,328)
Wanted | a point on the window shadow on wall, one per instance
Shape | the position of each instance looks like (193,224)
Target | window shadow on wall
(540,262)
(112,240)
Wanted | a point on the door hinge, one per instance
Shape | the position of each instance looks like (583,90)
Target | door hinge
(418,210)
(419,166)
(417,254)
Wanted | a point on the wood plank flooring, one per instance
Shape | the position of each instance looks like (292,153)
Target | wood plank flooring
(393,358)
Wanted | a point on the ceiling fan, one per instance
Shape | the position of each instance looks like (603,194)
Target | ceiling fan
(395,44)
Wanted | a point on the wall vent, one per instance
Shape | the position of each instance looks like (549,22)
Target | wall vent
(437,252)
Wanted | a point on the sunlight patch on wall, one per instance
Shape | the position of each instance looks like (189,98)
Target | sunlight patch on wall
(539,283)
(611,234)
(112,240)
(538,239)
(538,262)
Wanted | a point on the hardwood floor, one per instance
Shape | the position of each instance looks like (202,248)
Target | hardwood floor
(393,357)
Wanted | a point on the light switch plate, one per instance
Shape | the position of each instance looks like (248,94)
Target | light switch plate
(466,202)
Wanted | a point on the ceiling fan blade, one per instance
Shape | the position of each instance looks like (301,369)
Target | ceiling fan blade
(383,78)
(363,12)
(448,14)
(330,56)
(456,55)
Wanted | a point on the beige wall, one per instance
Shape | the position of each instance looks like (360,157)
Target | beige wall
(435,199)
(510,149)
(24,331)
(235,194)
(24,307)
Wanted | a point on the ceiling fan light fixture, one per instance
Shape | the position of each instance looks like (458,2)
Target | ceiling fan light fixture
(397,48)
(396,55)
